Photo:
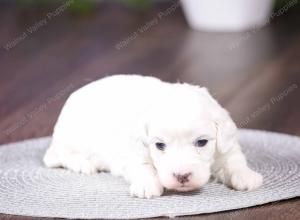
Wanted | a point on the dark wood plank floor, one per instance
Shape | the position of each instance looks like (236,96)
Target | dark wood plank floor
(255,75)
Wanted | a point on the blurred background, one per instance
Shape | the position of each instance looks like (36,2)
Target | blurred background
(246,52)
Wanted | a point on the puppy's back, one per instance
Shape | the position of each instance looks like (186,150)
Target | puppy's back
(105,109)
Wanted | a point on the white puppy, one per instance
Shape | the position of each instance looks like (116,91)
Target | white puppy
(155,134)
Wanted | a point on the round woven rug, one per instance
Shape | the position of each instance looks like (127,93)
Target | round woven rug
(28,188)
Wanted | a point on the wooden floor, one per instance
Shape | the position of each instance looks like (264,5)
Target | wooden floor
(255,75)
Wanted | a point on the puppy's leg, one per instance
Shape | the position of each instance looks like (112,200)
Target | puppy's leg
(143,179)
(75,161)
(231,169)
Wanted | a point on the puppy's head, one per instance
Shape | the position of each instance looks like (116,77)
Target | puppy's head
(184,135)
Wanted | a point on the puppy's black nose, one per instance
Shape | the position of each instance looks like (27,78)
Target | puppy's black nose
(182,178)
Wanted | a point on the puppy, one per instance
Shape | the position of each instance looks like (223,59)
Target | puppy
(155,134)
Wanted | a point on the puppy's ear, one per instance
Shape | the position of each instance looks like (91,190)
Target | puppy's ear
(226,128)
(143,134)
(226,131)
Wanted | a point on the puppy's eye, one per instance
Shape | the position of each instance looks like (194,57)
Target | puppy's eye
(160,145)
(201,142)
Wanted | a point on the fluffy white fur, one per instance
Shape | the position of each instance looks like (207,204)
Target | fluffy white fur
(114,124)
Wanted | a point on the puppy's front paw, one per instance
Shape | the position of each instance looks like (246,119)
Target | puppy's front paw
(146,188)
(246,180)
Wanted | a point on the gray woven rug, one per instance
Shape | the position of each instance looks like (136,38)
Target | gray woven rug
(28,188)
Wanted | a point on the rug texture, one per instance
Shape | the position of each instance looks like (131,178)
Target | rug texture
(28,188)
